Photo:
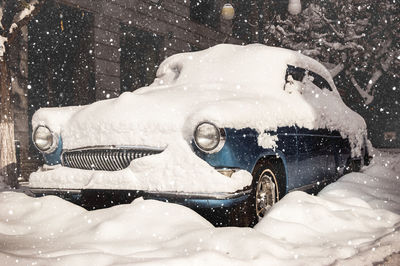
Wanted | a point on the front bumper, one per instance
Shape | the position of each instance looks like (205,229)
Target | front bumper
(103,198)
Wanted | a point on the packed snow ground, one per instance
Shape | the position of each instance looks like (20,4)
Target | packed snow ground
(354,221)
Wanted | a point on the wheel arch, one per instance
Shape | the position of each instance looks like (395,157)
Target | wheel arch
(277,159)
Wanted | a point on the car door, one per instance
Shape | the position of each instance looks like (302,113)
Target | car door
(328,138)
(332,163)
(310,159)
(316,152)
(313,153)
(287,143)
(342,150)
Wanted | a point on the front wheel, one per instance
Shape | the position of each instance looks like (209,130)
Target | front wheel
(268,187)
(265,192)
(353,165)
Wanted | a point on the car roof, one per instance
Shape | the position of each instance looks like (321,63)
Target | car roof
(254,64)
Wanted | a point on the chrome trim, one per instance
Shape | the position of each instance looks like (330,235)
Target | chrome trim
(115,147)
(105,158)
(222,138)
(53,146)
(214,195)
(195,195)
(319,135)
(53,190)
(62,160)
(310,186)
(304,188)
(233,170)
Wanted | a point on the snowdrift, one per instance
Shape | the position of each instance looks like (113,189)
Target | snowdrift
(354,221)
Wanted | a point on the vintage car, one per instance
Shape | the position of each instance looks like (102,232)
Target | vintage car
(226,131)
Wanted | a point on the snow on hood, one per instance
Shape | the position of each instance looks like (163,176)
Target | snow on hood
(354,221)
(230,85)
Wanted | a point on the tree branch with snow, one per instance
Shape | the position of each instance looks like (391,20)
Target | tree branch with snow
(13,15)
(360,38)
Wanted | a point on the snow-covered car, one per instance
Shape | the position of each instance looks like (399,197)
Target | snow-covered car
(227,131)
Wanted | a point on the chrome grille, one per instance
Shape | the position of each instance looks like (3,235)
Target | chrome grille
(104,159)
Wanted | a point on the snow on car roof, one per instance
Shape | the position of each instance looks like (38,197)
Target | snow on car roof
(255,64)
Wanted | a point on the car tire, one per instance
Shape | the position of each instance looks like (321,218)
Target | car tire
(265,192)
(270,176)
(353,165)
(367,158)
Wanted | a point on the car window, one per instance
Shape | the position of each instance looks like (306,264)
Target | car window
(298,73)
(319,81)
(294,79)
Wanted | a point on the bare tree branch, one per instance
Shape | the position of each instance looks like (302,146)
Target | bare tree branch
(340,47)
(367,97)
(346,36)
(328,22)
(336,70)
(378,74)
(23,19)
(13,19)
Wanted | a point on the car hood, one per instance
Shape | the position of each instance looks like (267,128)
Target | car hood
(154,118)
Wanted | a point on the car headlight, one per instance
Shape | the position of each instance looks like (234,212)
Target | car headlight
(44,139)
(209,138)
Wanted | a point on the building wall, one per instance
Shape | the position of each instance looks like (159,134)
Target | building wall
(19,81)
(170,19)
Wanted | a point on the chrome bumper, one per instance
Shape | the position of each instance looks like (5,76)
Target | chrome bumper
(167,194)
(92,199)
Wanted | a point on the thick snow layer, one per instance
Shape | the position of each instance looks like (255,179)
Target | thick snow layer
(354,221)
(3,40)
(54,118)
(267,141)
(229,85)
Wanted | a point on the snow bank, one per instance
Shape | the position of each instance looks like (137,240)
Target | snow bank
(354,221)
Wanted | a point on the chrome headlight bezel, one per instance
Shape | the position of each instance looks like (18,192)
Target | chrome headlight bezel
(54,140)
(220,138)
